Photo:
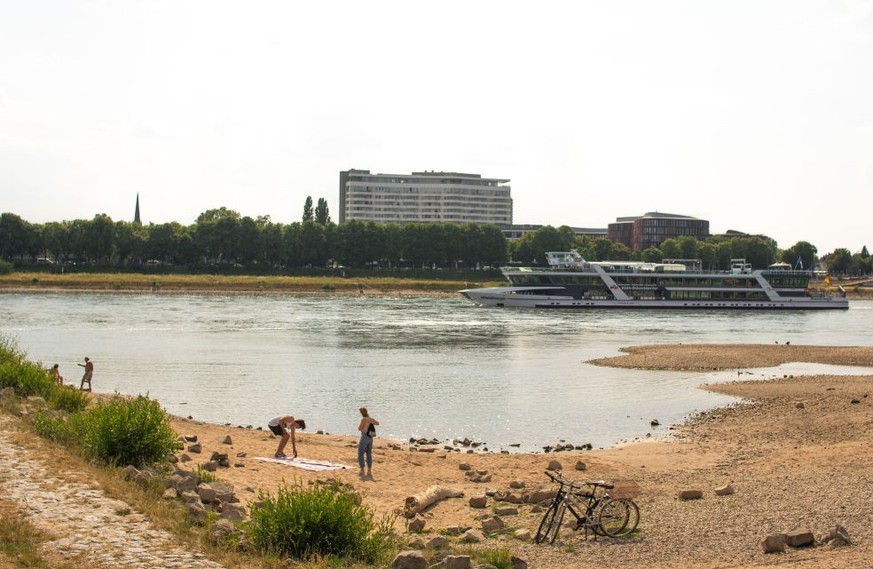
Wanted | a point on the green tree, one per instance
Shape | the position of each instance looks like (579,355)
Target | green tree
(839,262)
(651,255)
(322,214)
(14,236)
(532,247)
(307,209)
(801,255)
(99,235)
(217,234)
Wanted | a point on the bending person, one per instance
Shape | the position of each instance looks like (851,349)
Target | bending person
(284,427)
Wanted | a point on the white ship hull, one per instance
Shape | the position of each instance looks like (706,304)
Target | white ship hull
(526,297)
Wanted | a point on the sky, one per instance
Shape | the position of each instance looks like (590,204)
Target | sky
(756,115)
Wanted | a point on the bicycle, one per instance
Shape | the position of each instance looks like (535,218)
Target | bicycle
(592,506)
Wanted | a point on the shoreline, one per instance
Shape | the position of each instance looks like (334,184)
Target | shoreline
(795,449)
(773,450)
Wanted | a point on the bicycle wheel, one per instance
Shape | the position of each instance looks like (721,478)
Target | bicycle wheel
(555,527)
(634,519)
(612,518)
(546,523)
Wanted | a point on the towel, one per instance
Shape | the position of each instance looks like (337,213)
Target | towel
(306,463)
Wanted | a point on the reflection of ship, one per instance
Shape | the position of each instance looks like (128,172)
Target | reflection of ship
(571,282)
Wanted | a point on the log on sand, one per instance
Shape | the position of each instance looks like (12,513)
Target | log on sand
(420,502)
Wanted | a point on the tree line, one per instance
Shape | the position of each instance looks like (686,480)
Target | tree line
(224,238)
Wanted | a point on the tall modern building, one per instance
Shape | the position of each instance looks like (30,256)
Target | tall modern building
(421,197)
(653,228)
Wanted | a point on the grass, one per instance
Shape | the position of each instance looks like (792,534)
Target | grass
(135,282)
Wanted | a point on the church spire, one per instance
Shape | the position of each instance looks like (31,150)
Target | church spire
(136,213)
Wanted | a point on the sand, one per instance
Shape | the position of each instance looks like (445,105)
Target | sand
(796,450)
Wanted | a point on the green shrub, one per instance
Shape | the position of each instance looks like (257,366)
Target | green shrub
(57,429)
(124,431)
(499,558)
(322,521)
(68,398)
(6,268)
(203,476)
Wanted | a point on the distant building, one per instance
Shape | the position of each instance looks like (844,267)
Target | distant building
(516,231)
(421,197)
(653,228)
(136,218)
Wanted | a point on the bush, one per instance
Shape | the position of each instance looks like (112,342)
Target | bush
(26,377)
(58,429)
(122,431)
(323,521)
(6,268)
(68,398)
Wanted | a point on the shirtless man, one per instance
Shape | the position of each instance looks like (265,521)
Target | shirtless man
(89,371)
(284,427)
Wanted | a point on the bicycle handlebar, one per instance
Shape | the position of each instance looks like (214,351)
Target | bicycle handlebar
(558,478)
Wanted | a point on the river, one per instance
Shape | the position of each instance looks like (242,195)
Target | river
(426,367)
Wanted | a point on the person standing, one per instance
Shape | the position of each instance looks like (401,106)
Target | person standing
(367,427)
(284,427)
(55,374)
(89,371)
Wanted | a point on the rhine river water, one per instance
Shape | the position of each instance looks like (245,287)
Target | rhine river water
(426,367)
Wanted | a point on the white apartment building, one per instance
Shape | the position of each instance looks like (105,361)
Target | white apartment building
(421,197)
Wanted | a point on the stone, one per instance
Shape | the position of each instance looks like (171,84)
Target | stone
(581,465)
(554,465)
(799,405)
(773,543)
(196,511)
(7,393)
(410,559)
(540,495)
(522,534)
(691,494)
(210,466)
(416,543)
(221,529)
(506,511)
(195,447)
(492,524)
(233,512)
(518,563)
(478,501)
(516,484)
(186,483)
(227,440)
(170,494)
(465,466)
(130,473)
(437,542)
(190,438)
(472,536)
(416,524)
(183,458)
(838,536)
(725,490)
(455,530)
(456,562)
(800,538)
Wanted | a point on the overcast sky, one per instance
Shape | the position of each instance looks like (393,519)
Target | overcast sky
(755,115)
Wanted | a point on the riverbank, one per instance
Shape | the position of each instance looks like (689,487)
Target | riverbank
(135,283)
(792,466)
(795,452)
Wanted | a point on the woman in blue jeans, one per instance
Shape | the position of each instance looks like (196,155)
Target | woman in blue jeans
(367,426)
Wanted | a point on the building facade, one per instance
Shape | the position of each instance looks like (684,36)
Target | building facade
(653,228)
(514,232)
(422,197)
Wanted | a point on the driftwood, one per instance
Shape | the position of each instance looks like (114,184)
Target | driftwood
(420,502)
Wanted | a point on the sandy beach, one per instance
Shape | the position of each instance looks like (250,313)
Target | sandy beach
(796,450)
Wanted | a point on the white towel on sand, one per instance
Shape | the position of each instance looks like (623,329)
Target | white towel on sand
(306,463)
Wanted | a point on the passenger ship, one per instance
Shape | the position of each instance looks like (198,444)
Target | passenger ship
(571,282)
